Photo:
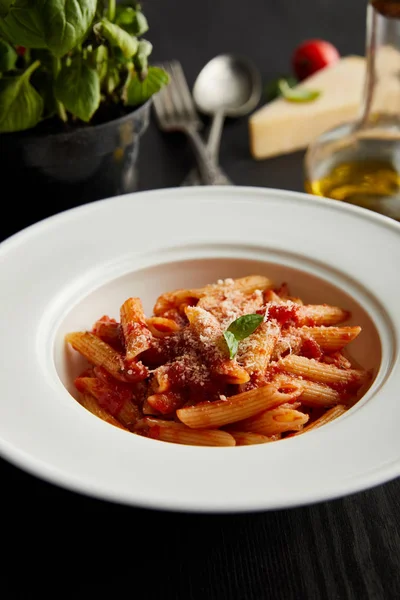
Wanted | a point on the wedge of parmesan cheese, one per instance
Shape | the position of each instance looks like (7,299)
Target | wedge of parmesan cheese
(281,127)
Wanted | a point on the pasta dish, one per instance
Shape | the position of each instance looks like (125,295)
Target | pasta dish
(233,363)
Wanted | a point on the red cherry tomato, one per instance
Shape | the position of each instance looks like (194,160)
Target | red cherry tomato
(311,56)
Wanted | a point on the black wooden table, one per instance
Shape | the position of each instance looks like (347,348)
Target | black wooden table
(54,540)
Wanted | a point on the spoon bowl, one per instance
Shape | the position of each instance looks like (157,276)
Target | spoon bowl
(228,83)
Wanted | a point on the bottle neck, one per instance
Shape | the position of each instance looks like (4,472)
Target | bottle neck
(381,101)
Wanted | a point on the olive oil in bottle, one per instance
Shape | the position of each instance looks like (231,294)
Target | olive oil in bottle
(359,163)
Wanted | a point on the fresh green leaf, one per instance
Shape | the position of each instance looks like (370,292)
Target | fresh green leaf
(58,25)
(113,80)
(245,325)
(141,58)
(5,7)
(272,90)
(118,37)
(297,94)
(232,343)
(240,329)
(138,91)
(132,20)
(8,56)
(100,55)
(21,106)
(66,23)
(77,87)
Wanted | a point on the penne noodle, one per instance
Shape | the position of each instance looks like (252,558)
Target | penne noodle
(108,330)
(209,332)
(327,417)
(331,339)
(248,438)
(92,405)
(321,314)
(275,421)
(318,394)
(236,408)
(161,327)
(137,335)
(177,433)
(256,350)
(116,400)
(166,403)
(321,372)
(103,355)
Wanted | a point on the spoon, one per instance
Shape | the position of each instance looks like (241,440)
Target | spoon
(227,86)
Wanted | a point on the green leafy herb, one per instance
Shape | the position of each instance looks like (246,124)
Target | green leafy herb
(297,94)
(8,57)
(118,37)
(58,25)
(138,91)
(141,59)
(77,87)
(21,106)
(240,329)
(272,89)
(5,7)
(132,20)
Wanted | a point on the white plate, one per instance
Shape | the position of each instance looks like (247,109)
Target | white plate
(65,272)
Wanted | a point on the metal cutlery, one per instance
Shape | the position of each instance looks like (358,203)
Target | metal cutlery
(175,111)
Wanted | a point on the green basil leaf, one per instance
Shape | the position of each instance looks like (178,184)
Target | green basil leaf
(100,55)
(141,58)
(58,25)
(232,343)
(77,87)
(21,106)
(113,80)
(5,7)
(272,90)
(138,91)
(23,24)
(8,56)
(245,325)
(66,23)
(118,37)
(297,95)
(131,20)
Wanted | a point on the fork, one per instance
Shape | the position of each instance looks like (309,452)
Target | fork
(175,111)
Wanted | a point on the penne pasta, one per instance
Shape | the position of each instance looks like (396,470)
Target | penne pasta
(321,314)
(275,421)
(103,355)
(136,334)
(233,363)
(248,438)
(210,334)
(238,407)
(331,339)
(321,372)
(177,433)
(92,405)
(255,351)
(327,417)
(116,400)
(161,326)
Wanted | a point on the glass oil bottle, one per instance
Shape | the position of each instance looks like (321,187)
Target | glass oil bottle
(359,162)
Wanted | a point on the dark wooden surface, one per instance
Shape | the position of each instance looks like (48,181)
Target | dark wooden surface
(55,541)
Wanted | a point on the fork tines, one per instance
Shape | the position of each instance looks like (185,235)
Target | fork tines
(174,106)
